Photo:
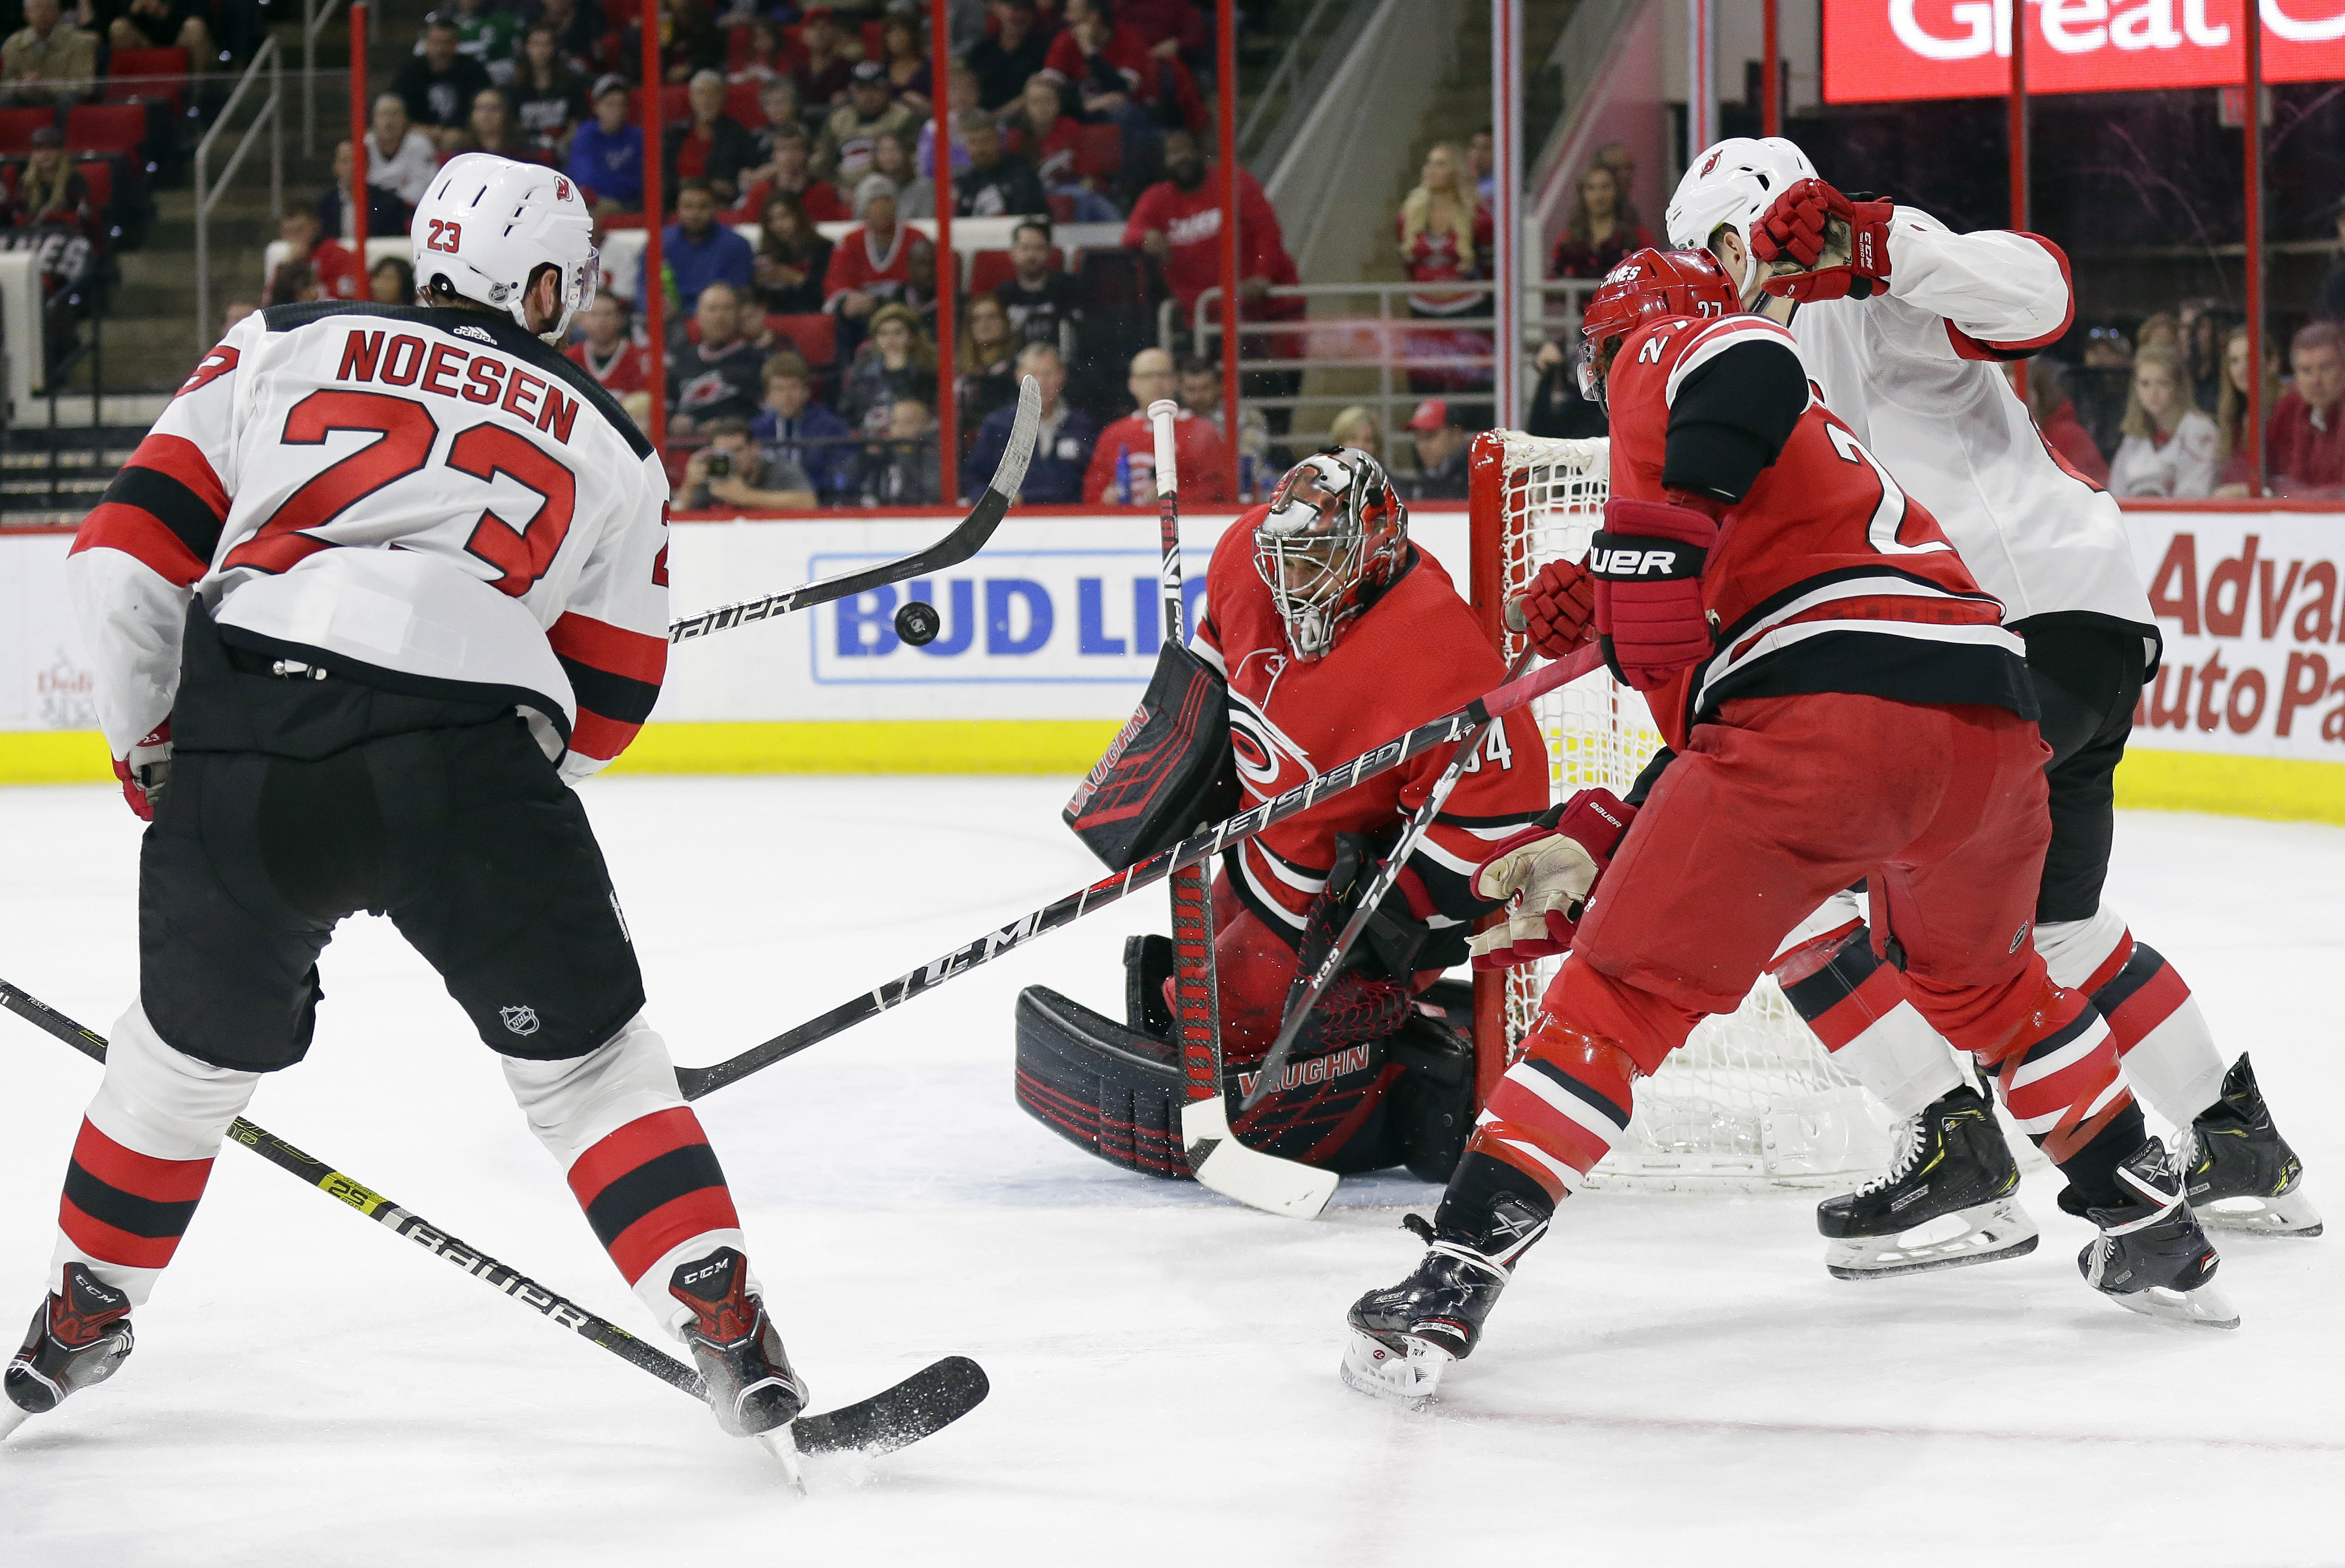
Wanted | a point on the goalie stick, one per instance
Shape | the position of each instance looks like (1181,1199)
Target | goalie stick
(699,1082)
(1219,1159)
(1298,1011)
(928,1401)
(963,541)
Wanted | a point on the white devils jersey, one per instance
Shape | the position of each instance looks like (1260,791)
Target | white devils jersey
(432,493)
(1915,375)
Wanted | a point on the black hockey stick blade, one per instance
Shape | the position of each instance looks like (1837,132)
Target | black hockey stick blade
(1448,730)
(922,1405)
(966,540)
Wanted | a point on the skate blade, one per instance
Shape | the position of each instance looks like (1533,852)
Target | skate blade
(1409,1378)
(2205,1308)
(1984,1234)
(2289,1214)
(782,1442)
(12,1416)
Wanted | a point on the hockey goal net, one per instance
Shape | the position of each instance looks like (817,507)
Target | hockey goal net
(1753,1100)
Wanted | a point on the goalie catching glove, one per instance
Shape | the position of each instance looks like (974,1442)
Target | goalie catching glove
(1798,229)
(1550,870)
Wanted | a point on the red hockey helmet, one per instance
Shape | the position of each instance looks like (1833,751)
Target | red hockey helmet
(1647,285)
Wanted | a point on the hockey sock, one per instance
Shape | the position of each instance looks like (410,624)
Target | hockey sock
(2060,1082)
(2163,1045)
(1856,1004)
(142,1159)
(636,1159)
(1556,1112)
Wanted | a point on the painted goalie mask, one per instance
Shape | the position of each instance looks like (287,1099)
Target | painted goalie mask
(1334,535)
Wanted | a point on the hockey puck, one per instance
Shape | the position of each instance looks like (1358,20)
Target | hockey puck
(918,623)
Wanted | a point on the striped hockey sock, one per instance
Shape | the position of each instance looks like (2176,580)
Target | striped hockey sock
(2060,1083)
(2161,1036)
(1557,1111)
(1856,1004)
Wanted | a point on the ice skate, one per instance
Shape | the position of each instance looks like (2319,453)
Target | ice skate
(78,1337)
(751,1385)
(1950,1198)
(2238,1172)
(1404,1337)
(2151,1255)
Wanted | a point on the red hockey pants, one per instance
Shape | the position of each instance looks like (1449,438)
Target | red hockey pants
(1783,801)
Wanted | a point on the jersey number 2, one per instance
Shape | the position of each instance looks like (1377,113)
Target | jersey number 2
(521,554)
(1889,517)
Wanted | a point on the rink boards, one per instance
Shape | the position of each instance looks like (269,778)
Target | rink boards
(1050,634)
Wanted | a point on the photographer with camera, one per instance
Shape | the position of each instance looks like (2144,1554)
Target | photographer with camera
(733,471)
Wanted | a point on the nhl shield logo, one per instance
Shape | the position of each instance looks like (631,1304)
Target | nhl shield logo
(519,1020)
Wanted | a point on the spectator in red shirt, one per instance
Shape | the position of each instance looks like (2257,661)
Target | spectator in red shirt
(336,269)
(2304,444)
(1204,459)
(872,265)
(1113,78)
(607,353)
(2054,413)
(791,173)
(1603,233)
(711,145)
(1179,221)
(830,59)
(1171,28)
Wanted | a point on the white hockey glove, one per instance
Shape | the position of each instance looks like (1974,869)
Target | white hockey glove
(144,772)
(1548,870)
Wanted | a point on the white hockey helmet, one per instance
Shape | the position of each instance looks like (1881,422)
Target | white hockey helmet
(488,224)
(1730,183)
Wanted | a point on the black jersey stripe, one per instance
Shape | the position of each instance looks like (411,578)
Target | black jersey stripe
(171,503)
(620,697)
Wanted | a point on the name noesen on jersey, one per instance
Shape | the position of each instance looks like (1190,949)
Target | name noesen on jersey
(488,378)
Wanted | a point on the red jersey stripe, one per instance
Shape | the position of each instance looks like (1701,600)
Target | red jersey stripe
(141,1175)
(600,738)
(645,1138)
(141,535)
(610,648)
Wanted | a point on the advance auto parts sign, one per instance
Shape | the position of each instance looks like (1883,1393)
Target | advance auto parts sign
(1881,51)
(2250,608)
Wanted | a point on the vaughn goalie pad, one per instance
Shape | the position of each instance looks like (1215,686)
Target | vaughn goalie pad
(1169,768)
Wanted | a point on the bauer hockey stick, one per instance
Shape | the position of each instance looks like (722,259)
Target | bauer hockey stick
(1218,1158)
(699,1082)
(954,548)
(1298,1011)
(927,1401)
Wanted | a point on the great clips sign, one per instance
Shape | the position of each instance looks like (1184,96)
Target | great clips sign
(1878,51)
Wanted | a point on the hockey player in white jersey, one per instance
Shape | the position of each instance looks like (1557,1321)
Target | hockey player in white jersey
(379,584)
(1904,326)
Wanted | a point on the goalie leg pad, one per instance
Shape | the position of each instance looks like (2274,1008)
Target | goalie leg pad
(1109,1089)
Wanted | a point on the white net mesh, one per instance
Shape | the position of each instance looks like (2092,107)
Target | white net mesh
(1752,1099)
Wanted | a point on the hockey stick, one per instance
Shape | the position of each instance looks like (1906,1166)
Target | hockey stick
(699,1082)
(1298,1011)
(894,1416)
(965,541)
(1218,1158)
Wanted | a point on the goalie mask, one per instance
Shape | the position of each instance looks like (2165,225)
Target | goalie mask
(1334,535)
(488,224)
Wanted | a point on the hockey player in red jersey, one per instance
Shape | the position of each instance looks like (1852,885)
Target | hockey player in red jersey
(1843,702)
(1904,326)
(336,677)
(1333,634)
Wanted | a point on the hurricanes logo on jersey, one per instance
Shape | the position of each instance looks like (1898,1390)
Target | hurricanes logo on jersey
(519,1020)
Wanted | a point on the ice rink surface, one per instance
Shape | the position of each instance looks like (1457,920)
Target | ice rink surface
(1669,1380)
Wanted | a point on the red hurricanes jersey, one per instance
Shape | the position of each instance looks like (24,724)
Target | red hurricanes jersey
(434,496)
(1826,576)
(1416,654)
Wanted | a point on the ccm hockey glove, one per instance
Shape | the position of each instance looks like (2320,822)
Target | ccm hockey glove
(1797,230)
(1557,611)
(1553,868)
(144,771)
(1647,561)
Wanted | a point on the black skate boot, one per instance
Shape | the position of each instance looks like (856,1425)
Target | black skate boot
(77,1337)
(2151,1257)
(1951,1198)
(2238,1172)
(750,1384)
(1404,1337)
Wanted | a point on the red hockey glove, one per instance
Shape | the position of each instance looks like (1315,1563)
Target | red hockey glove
(1647,561)
(144,771)
(1557,611)
(1797,230)
(1549,870)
